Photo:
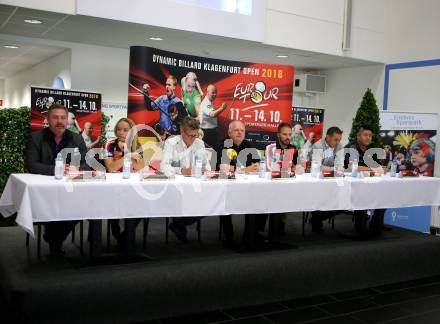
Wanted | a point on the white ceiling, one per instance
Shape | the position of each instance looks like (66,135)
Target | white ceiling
(94,31)
(13,61)
(26,55)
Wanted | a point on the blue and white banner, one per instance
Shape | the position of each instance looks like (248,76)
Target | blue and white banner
(410,139)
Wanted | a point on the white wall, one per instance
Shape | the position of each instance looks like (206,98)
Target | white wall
(101,69)
(63,6)
(412,30)
(317,25)
(345,89)
(415,89)
(314,25)
(17,87)
(180,14)
(368,38)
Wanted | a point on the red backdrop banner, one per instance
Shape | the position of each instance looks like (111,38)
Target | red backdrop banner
(258,94)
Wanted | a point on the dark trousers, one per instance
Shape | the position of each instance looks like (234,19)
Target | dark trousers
(361,217)
(319,216)
(183,222)
(116,228)
(56,232)
(375,226)
(228,227)
(210,137)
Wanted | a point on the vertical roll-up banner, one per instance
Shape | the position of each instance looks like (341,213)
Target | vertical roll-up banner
(410,139)
(164,87)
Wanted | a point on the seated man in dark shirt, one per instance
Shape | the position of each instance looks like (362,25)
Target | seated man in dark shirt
(288,159)
(249,162)
(361,146)
(42,150)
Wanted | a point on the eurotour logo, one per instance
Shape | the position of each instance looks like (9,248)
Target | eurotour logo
(255,92)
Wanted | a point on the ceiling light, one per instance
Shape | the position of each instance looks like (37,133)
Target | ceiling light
(33,21)
(282,56)
(156,38)
(10,46)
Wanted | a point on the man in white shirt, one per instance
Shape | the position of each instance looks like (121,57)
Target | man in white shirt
(208,116)
(329,153)
(180,151)
(179,155)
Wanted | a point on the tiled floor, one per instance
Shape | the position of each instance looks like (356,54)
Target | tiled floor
(415,302)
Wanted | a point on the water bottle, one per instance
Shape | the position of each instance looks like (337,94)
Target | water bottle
(276,161)
(59,167)
(262,170)
(354,168)
(338,171)
(316,168)
(393,169)
(198,166)
(76,157)
(273,160)
(126,167)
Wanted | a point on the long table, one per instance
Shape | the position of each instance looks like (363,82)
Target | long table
(37,198)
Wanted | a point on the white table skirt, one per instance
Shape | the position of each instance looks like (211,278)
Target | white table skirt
(38,198)
(385,192)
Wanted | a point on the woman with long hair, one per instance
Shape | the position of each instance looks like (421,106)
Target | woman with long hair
(115,149)
(126,142)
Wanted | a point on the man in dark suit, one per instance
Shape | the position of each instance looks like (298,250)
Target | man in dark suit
(42,150)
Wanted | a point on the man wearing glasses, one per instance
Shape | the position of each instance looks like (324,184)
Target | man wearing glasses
(179,156)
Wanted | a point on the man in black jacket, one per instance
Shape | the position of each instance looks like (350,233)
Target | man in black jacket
(42,150)
(230,159)
(361,146)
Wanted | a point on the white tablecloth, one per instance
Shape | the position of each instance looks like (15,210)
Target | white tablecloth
(38,198)
(386,192)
